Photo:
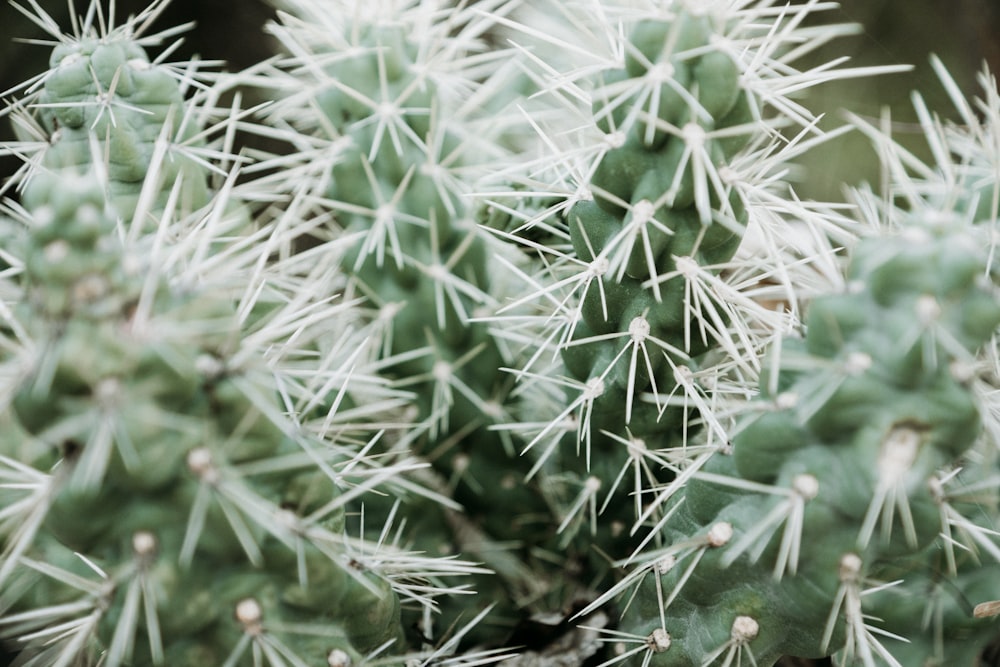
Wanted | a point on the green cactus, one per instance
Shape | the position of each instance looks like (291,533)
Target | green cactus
(317,383)
(392,192)
(840,484)
(397,136)
(153,370)
(676,114)
(104,101)
(131,403)
(662,216)
(640,292)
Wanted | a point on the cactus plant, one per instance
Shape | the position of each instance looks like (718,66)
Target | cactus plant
(656,323)
(852,512)
(522,283)
(102,87)
(129,398)
(846,494)
(390,97)
(135,377)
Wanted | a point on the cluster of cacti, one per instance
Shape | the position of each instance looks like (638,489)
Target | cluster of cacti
(499,290)
(163,501)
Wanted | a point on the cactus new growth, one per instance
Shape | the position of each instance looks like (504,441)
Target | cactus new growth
(103,88)
(504,339)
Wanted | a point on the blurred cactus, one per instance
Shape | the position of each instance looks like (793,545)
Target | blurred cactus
(391,108)
(381,95)
(160,504)
(128,399)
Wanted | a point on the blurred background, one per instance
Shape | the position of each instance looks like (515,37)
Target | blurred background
(961,32)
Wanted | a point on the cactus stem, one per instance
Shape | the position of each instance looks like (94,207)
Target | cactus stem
(861,641)
(639,456)
(971,536)
(718,535)
(743,631)
(788,512)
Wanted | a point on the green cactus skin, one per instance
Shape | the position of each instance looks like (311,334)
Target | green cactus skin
(839,483)
(130,395)
(675,115)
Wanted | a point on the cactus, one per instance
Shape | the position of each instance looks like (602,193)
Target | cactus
(519,283)
(390,97)
(656,322)
(104,100)
(384,96)
(129,398)
(135,377)
(842,483)
(852,513)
